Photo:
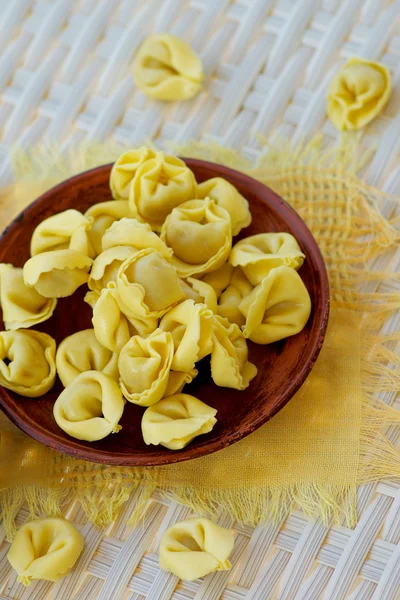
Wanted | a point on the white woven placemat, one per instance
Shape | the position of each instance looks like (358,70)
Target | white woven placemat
(65,76)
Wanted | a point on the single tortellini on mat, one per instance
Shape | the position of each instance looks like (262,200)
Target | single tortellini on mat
(166,68)
(104,214)
(82,352)
(277,308)
(230,299)
(160,184)
(227,196)
(124,169)
(27,362)
(260,253)
(22,306)
(219,279)
(199,233)
(200,292)
(45,549)
(58,273)
(112,328)
(193,548)
(230,366)
(131,232)
(106,266)
(90,407)
(191,326)
(358,93)
(175,421)
(148,284)
(144,365)
(177,381)
(65,230)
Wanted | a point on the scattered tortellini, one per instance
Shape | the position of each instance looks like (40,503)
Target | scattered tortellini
(57,273)
(65,230)
(200,235)
(166,68)
(22,305)
(177,420)
(193,548)
(358,93)
(27,362)
(81,352)
(277,308)
(90,407)
(45,549)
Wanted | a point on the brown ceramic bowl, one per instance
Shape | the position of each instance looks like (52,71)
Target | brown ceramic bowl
(282,367)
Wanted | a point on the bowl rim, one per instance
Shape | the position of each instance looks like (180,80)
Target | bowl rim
(69,445)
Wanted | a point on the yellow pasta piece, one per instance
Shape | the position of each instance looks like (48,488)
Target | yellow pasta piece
(160,184)
(131,232)
(227,196)
(148,285)
(82,352)
(58,273)
(144,365)
(219,279)
(65,230)
(166,68)
(22,306)
(104,214)
(124,169)
(191,327)
(260,253)
(193,548)
(45,549)
(112,327)
(177,381)
(175,421)
(358,93)
(277,308)
(106,266)
(90,407)
(230,366)
(27,362)
(200,291)
(228,305)
(199,233)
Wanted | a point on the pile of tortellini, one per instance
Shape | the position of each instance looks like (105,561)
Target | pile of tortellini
(167,289)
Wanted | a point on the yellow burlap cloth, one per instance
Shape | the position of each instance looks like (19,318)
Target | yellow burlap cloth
(327,440)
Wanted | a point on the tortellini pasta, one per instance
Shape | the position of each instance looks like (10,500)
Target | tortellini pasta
(111,326)
(106,266)
(175,421)
(57,273)
(22,306)
(104,214)
(131,232)
(227,196)
(193,548)
(65,230)
(124,169)
(219,279)
(228,304)
(160,184)
(90,407)
(177,381)
(358,93)
(27,362)
(199,233)
(277,308)
(144,365)
(148,285)
(45,549)
(230,366)
(200,292)
(191,327)
(82,352)
(166,68)
(260,253)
